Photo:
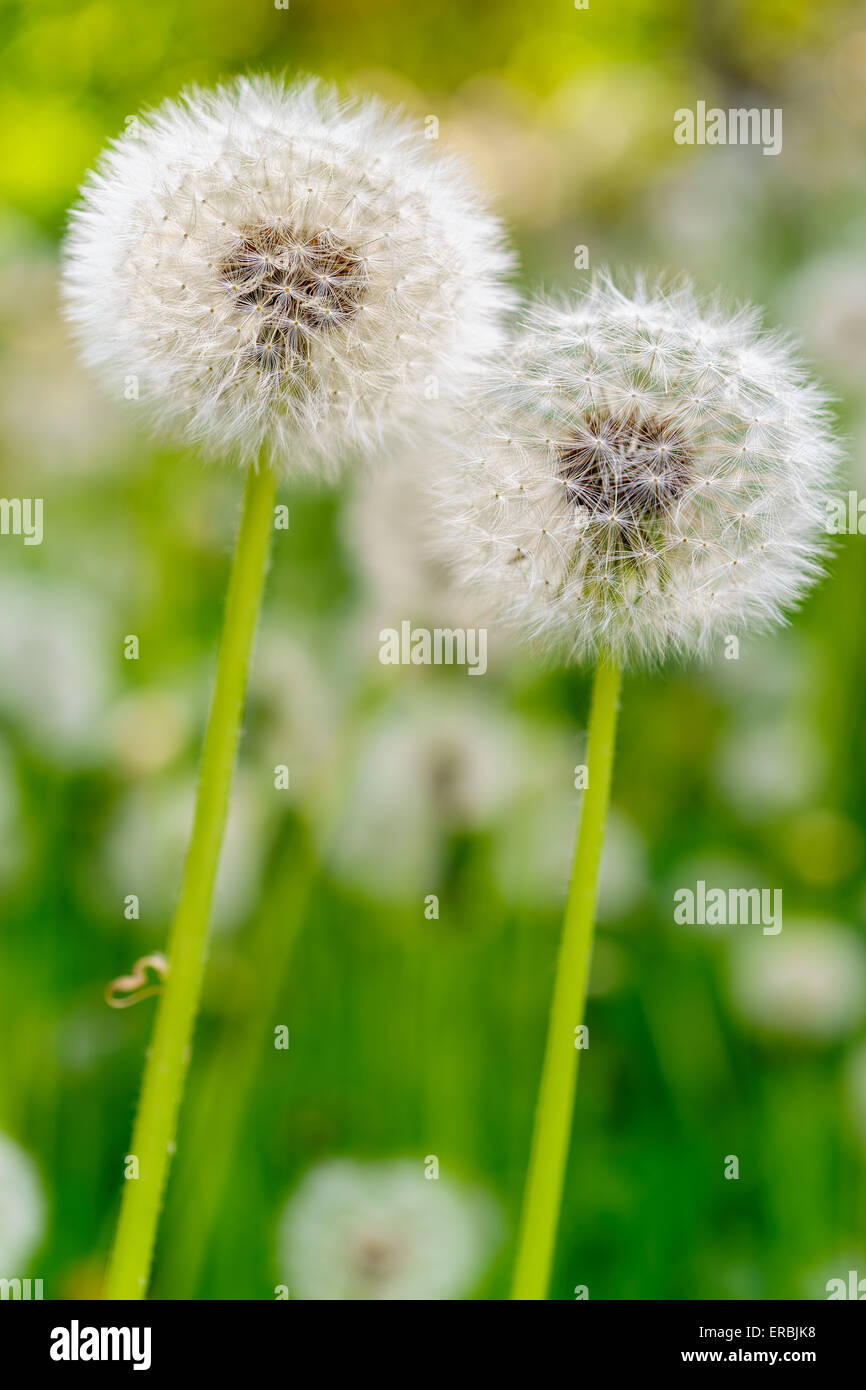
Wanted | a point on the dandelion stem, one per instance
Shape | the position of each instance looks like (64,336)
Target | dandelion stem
(542,1196)
(162,1088)
(217,1107)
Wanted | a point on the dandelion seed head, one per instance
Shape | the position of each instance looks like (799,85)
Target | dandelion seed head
(283,271)
(383,1232)
(22,1208)
(425,770)
(640,474)
(150,831)
(387,531)
(808,984)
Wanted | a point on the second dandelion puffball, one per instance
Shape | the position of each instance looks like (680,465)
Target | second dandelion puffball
(277,270)
(640,475)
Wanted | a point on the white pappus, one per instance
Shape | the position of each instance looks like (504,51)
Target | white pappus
(642,475)
(278,271)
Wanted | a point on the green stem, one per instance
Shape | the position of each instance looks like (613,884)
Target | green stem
(217,1107)
(156,1122)
(542,1196)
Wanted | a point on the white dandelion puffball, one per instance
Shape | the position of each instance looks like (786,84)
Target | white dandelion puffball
(828,297)
(642,475)
(807,984)
(384,1232)
(426,769)
(146,845)
(276,269)
(57,682)
(387,532)
(22,1209)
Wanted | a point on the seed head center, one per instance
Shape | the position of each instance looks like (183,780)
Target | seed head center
(298,286)
(625,469)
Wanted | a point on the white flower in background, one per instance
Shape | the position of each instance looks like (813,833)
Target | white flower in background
(147,843)
(826,300)
(623,877)
(56,684)
(806,984)
(427,767)
(279,269)
(383,1231)
(534,850)
(148,729)
(767,765)
(292,710)
(388,528)
(716,865)
(22,1209)
(766,672)
(641,474)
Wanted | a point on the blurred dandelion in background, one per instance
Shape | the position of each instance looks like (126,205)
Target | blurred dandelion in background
(384,1232)
(46,628)
(766,765)
(389,529)
(425,768)
(295,702)
(22,1209)
(806,985)
(146,843)
(826,301)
